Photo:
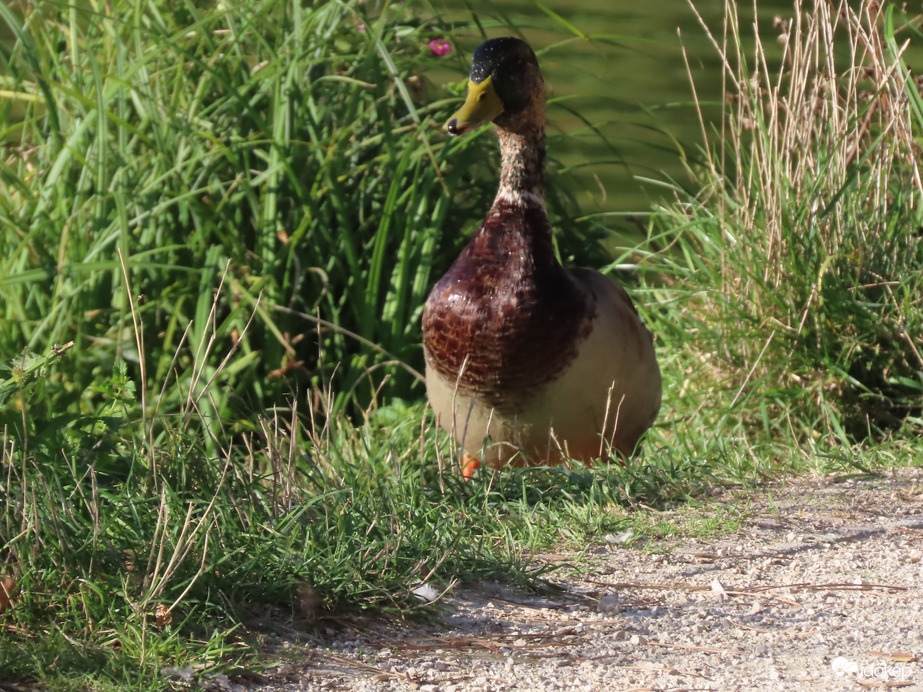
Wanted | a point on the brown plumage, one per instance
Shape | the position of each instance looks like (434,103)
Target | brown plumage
(527,362)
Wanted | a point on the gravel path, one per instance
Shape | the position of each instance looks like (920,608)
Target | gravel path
(821,588)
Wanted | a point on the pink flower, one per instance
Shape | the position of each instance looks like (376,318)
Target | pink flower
(440,47)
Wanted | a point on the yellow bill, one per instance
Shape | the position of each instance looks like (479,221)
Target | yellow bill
(481,106)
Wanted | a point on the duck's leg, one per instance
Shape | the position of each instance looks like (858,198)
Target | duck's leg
(469,465)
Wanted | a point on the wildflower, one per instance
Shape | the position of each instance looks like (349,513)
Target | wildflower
(440,46)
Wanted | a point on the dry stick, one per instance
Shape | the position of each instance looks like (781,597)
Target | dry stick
(457,643)
(690,647)
(867,123)
(836,586)
(840,586)
(184,544)
(718,49)
(653,668)
(139,344)
(440,462)
(155,557)
(782,599)
(388,673)
(698,108)
(903,656)
(159,580)
(364,666)
(352,335)
(292,454)
(236,345)
(166,380)
(460,445)
(750,374)
(618,412)
(204,348)
(903,330)
(678,587)
(491,644)
(198,573)
(758,629)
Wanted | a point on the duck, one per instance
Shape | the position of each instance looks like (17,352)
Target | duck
(528,362)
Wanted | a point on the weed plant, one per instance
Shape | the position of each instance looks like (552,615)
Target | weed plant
(285,143)
(298,148)
(790,280)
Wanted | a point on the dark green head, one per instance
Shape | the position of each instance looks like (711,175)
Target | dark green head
(505,84)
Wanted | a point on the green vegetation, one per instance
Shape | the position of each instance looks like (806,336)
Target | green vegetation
(217,228)
(797,258)
(659,532)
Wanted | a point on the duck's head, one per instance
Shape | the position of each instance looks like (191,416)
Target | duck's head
(505,86)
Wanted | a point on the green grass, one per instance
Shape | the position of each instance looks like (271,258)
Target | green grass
(217,228)
(281,143)
(297,153)
(353,515)
(661,532)
(791,291)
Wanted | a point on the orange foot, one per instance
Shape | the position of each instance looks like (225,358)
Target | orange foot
(470,464)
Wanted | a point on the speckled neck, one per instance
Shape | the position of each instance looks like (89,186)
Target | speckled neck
(522,173)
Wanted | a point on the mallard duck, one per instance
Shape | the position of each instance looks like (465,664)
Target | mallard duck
(528,362)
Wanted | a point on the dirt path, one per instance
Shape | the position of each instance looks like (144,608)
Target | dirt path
(820,588)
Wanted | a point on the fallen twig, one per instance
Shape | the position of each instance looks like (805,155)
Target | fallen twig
(754,589)
(691,647)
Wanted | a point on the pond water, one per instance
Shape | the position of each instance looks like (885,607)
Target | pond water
(628,78)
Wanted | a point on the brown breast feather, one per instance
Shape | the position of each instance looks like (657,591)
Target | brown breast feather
(509,308)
